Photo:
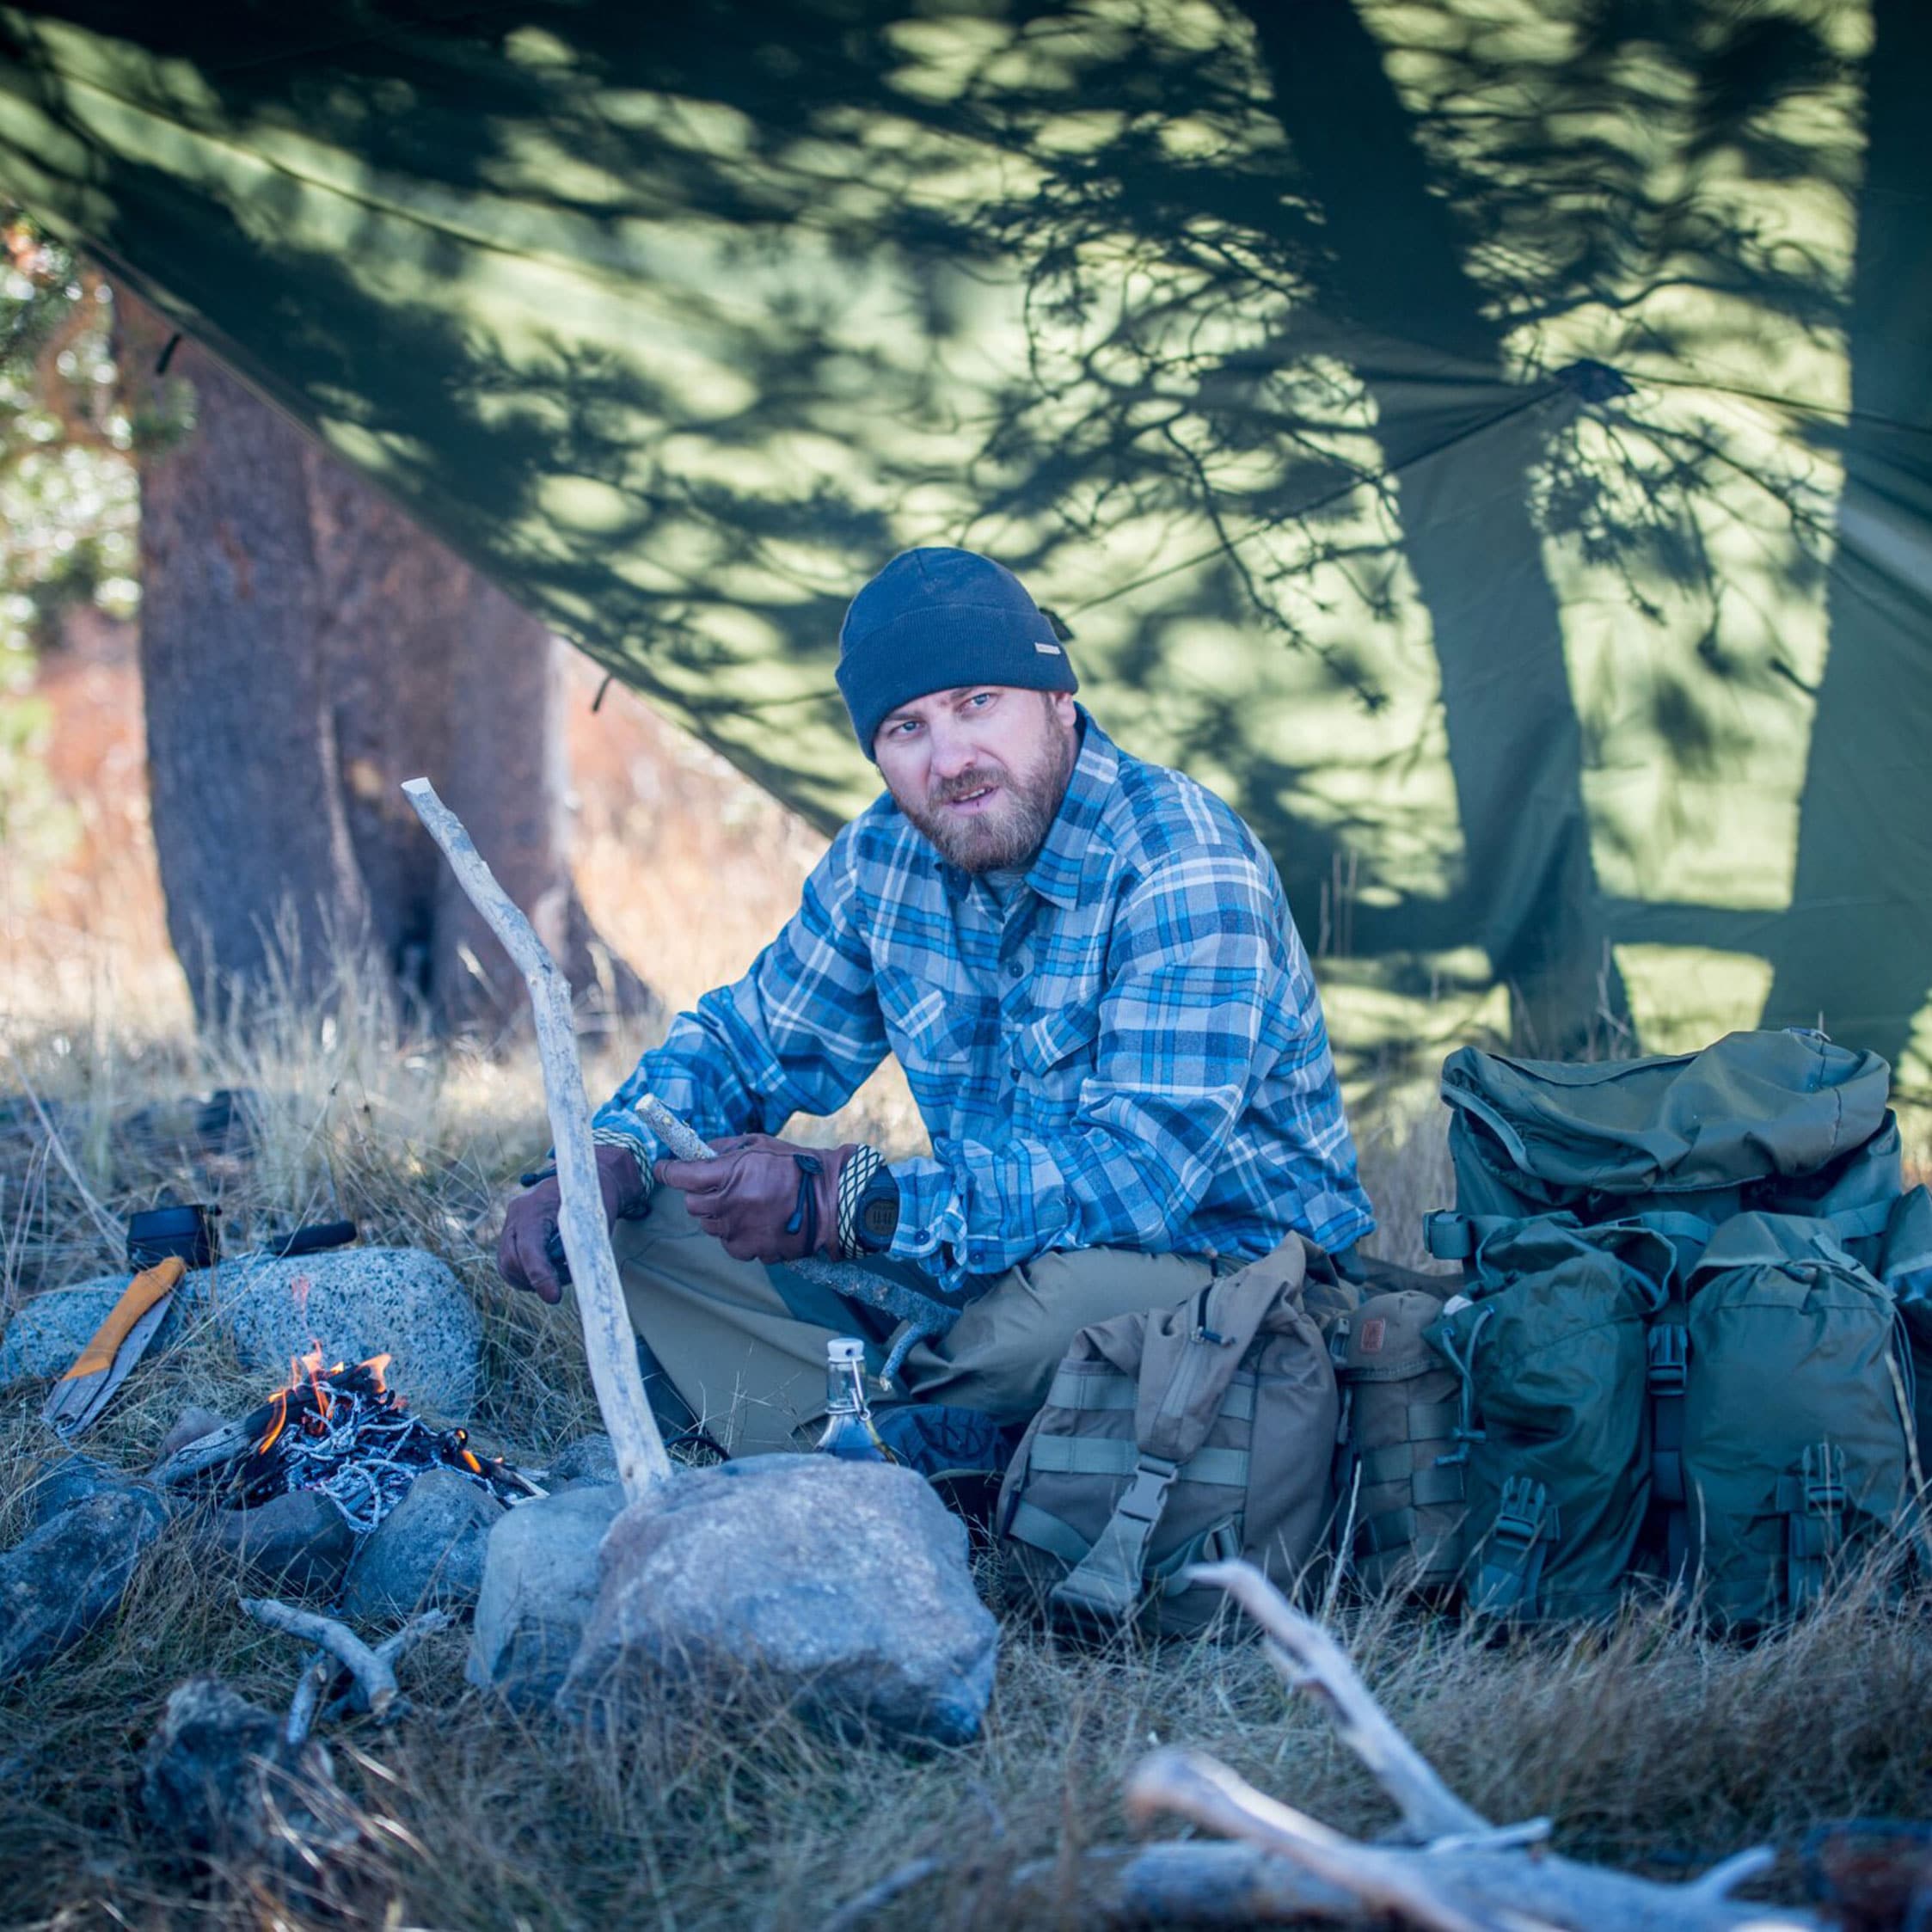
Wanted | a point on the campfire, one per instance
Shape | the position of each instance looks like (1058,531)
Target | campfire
(343,1432)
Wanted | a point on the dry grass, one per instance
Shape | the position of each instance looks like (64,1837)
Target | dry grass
(1647,1743)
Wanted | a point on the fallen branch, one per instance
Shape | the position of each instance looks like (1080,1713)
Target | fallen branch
(1312,1661)
(859,1908)
(1466,1876)
(608,1344)
(375,1674)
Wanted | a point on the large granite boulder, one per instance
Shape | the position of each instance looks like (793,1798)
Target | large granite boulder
(842,1588)
(355,1301)
(65,1577)
(540,1580)
(428,1550)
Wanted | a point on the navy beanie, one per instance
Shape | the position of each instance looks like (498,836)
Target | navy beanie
(933,619)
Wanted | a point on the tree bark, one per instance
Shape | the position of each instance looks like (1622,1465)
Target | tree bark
(1395,268)
(305,648)
(254,848)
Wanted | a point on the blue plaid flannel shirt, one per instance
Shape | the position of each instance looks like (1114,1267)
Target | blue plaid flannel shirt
(1130,1053)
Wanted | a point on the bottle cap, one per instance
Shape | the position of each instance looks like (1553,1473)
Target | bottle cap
(845,1348)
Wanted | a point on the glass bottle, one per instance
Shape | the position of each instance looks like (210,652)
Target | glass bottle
(849,1431)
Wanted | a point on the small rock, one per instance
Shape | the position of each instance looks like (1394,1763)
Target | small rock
(219,1776)
(843,1587)
(190,1425)
(428,1550)
(72,1480)
(57,1583)
(355,1301)
(589,1459)
(540,1580)
(297,1541)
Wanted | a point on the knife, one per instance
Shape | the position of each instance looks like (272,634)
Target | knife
(119,1343)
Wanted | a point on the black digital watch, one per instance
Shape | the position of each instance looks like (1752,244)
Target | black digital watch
(876,1219)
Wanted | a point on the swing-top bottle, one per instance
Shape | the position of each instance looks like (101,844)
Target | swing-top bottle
(849,1431)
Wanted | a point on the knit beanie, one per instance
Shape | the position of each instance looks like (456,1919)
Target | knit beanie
(935,618)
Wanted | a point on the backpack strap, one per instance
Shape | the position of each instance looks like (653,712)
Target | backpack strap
(1512,1556)
(1813,1503)
(1188,1358)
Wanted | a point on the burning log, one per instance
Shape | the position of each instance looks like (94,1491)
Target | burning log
(340,1432)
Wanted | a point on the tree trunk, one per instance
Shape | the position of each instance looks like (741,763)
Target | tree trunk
(256,858)
(1396,269)
(305,648)
(1855,945)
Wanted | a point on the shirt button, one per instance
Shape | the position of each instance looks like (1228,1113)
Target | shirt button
(1014,970)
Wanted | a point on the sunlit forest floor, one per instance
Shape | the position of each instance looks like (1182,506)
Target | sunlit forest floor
(1649,1744)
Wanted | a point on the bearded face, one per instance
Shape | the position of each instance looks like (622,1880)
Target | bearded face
(981,770)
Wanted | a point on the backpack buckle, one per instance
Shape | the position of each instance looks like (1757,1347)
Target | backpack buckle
(1824,1481)
(1668,1346)
(1519,1514)
(1448,1235)
(1104,1588)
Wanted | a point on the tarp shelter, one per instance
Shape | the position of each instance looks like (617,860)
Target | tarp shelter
(1487,440)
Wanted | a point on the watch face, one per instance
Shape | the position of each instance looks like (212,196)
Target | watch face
(879,1216)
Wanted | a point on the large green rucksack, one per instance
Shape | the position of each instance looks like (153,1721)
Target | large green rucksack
(1773,1122)
(1675,1357)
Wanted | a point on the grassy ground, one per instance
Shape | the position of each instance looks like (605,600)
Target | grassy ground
(1647,1743)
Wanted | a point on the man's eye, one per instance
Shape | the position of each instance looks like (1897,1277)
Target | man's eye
(980,697)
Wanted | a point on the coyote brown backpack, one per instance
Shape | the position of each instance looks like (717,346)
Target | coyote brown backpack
(1174,1437)
(1401,1474)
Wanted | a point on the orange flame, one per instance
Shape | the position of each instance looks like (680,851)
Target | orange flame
(277,1424)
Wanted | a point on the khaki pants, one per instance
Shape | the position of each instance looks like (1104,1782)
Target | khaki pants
(745,1345)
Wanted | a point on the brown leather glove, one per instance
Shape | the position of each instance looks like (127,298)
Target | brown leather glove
(529,1223)
(764,1199)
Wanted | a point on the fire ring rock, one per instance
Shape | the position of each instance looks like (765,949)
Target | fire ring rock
(539,1582)
(57,1583)
(842,1588)
(428,1550)
(298,1541)
(356,1302)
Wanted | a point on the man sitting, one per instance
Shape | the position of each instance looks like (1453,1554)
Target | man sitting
(1086,968)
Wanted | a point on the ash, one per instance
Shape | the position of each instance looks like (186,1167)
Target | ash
(345,1433)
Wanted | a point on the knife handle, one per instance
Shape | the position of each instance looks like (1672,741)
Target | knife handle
(139,1297)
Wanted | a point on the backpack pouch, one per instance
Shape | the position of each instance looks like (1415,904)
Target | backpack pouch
(1796,1417)
(1553,1367)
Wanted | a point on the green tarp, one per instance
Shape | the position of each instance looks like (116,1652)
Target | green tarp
(1490,441)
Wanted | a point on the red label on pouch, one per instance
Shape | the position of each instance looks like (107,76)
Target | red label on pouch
(1372,1333)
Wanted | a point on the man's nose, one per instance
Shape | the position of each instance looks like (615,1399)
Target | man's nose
(951,748)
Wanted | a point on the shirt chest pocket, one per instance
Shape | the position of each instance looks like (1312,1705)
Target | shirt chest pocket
(1053,1057)
(931,1030)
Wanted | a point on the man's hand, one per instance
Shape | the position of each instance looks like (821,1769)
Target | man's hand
(764,1199)
(531,1219)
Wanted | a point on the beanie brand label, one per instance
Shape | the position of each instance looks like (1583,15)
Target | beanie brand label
(1048,650)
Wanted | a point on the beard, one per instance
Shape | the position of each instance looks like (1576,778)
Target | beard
(1004,834)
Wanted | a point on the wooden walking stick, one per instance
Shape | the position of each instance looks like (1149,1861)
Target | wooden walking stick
(642,1463)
